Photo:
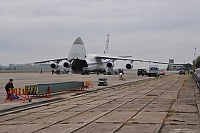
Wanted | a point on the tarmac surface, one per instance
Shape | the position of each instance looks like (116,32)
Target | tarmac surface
(167,104)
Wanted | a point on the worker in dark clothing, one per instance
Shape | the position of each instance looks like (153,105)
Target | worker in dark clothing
(52,71)
(9,85)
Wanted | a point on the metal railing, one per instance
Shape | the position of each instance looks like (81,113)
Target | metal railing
(196,77)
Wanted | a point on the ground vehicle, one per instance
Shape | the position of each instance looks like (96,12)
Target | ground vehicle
(162,72)
(102,82)
(153,71)
(182,72)
(141,72)
(121,71)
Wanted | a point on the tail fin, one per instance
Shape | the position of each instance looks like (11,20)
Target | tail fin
(77,50)
(106,50)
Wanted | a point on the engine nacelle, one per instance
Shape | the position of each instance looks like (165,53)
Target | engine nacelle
(129,66)
(110,64)
(67,64)
(54,66)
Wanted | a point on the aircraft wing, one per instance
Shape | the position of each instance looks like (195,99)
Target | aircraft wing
(129,59)
(54,60)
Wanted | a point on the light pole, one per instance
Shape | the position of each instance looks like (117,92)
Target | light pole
(195,49)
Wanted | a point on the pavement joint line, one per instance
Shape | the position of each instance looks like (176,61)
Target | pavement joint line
(112,100)
(40,105)
(144,107)
(82,113)
(110,87)
(31,106)
(172,105)
(86,111)
(115,109)
(101,116)
(161,127)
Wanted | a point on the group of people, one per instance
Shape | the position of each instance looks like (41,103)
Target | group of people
(57,71)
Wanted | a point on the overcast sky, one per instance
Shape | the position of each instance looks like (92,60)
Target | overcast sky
(35,30)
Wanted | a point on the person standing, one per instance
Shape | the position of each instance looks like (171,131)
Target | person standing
(52,71)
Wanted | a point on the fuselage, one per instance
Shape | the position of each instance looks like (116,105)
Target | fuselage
(95,64)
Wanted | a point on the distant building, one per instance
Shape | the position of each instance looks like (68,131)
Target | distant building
(29,67)
(172,66)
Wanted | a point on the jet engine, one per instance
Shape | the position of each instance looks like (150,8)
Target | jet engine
(129,66)
(67,64)
(54,66)
(110,64)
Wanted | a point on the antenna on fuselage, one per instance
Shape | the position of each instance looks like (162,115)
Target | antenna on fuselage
(106,51)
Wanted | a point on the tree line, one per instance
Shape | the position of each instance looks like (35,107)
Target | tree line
(196,62)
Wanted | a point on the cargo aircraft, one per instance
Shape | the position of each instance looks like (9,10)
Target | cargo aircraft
(78,59)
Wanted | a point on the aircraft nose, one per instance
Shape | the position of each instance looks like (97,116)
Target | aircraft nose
(78,41)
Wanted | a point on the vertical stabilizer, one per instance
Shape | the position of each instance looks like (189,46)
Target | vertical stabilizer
(77,50)
(106,50)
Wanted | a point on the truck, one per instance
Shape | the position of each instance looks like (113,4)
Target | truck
(141,72)
(153,71)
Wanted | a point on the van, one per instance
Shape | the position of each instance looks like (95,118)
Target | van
(141,72)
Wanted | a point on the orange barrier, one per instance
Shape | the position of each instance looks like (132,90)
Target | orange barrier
(87,85)
(17,94)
